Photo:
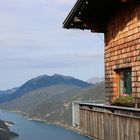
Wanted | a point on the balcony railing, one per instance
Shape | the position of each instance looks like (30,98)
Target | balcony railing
(106,122)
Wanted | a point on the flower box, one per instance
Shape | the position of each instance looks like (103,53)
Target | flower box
(122,100)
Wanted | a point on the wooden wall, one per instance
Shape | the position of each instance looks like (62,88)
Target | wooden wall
(110,123)
(122,50)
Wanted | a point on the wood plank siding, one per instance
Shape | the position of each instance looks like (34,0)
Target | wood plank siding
(122,48)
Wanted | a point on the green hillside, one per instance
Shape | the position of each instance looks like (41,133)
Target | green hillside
(40,82)
(53,104)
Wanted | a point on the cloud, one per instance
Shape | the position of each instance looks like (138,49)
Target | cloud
(32,41)
(40,60)
(28,19)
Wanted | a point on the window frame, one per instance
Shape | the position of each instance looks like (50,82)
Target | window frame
(122,79)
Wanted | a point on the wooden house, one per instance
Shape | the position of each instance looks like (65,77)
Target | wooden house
(119,20)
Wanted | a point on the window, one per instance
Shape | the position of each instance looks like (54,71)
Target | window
(124,81)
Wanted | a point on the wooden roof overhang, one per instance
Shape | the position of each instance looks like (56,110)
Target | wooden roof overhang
(93,14)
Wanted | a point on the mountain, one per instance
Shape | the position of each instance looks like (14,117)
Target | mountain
(46,81)
(49,98)
(95,80)
(42,82)
(90,94)
(9,91)
(6,95)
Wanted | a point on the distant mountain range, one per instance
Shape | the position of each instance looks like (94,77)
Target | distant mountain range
(40,82)
(96,80)
(9,91)
(49,97)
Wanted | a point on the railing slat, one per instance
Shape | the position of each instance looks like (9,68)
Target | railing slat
(110,124)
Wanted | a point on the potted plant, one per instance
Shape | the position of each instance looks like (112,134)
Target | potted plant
(122,100)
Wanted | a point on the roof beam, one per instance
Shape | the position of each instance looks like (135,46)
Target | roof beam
(93,14)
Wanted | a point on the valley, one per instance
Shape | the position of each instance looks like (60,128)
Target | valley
(49,98)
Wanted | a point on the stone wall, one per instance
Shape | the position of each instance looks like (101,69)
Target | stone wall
(122,40)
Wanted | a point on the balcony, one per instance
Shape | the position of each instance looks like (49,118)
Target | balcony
(107,122)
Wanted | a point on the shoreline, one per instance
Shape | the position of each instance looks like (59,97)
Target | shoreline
(71,128)
(5,132)
(65,126)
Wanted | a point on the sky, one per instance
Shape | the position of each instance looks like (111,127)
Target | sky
(33,42)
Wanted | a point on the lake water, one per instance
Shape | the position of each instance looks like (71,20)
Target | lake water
(34,130)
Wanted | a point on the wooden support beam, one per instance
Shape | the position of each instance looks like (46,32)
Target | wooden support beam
(123,1)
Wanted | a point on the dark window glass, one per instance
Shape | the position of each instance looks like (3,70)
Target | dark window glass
(127,81)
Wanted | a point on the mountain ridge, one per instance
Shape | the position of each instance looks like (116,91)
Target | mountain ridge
(53,103)
(43,81)
(95,80)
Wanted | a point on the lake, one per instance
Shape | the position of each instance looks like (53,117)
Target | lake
(34,130)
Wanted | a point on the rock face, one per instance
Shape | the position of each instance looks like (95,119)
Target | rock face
(5,133)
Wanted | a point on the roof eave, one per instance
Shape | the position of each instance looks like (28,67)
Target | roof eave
(96,22)
(73,12)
